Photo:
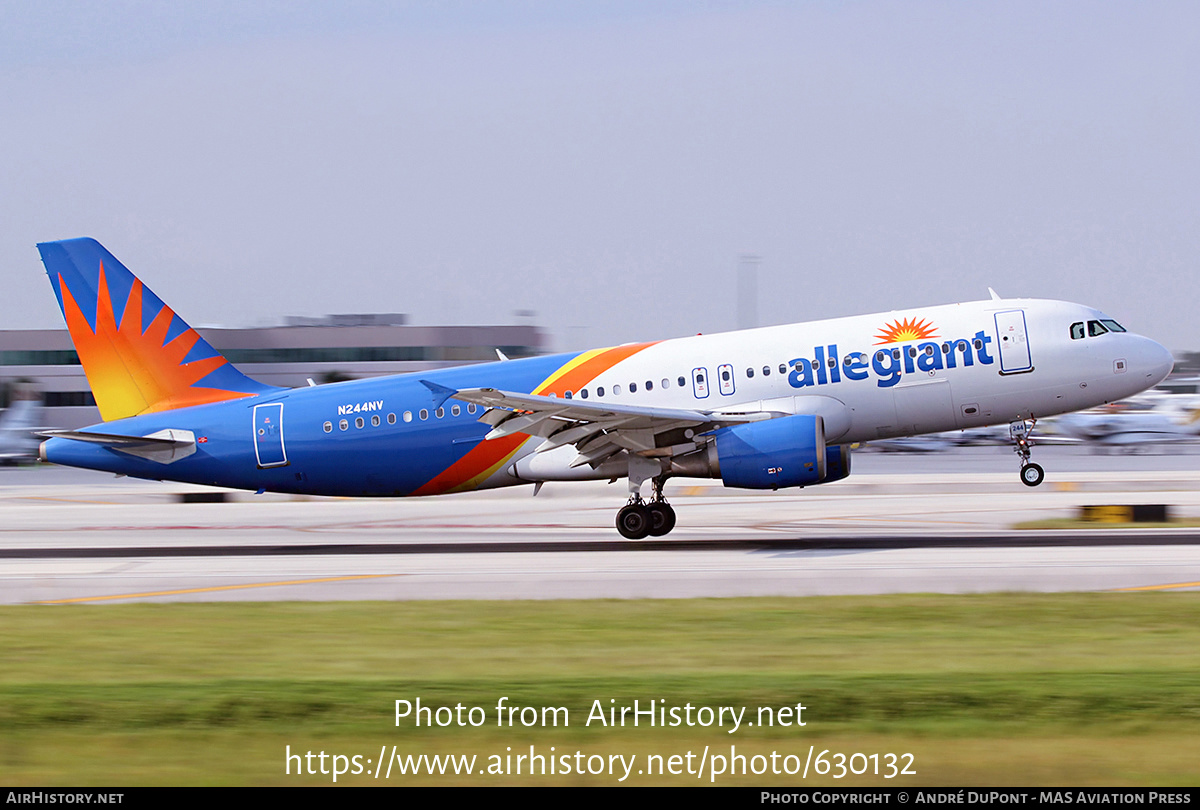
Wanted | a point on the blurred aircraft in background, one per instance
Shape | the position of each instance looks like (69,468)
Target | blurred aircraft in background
(765,408)
(928,443)
(18,437)
(1173,419)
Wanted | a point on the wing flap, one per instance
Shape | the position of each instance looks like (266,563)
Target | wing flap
(600,430)
(588,411)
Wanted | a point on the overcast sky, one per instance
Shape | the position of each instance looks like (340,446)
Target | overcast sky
(606,164)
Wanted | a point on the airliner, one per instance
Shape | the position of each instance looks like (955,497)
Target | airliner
(18,436)
(1161,425)
(768,408)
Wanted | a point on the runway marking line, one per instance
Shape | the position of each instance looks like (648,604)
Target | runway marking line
(882,519)
(212,589)
(62,500)
(1160,587)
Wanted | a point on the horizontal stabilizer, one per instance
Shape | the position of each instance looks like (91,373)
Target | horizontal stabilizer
(163,446)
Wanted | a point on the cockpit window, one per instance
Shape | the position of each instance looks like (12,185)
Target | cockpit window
(1077,330)
(1095,329)
(1113,326)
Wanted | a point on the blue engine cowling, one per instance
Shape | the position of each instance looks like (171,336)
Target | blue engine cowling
(785,452)
(837,463)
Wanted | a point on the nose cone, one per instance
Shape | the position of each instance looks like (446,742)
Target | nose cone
(1154,361)
(1162,363)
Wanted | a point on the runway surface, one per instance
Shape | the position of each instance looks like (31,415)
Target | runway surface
(901,523)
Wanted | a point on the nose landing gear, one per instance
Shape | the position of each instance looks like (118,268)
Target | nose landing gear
(1021,433)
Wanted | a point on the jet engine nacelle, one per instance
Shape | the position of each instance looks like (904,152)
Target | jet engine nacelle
(785,452)
(788,451)
(837,463)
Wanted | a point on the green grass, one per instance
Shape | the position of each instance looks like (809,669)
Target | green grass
(991,689)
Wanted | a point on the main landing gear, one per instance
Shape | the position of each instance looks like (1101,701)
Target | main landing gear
(639,519)
(1031,474)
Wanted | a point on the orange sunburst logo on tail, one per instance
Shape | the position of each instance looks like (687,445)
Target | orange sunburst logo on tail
(132,371)
(905,330)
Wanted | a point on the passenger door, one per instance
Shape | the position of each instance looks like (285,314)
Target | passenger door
(268,435)
(1014,342)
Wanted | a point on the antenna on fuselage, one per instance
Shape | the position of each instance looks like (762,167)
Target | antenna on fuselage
(994,294)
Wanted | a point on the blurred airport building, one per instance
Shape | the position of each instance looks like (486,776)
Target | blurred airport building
(325,349)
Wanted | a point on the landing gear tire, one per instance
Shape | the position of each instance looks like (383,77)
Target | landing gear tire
(634,521)
(662,518)
(1032,475)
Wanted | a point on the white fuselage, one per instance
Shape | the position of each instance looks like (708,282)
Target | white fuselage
(893,374)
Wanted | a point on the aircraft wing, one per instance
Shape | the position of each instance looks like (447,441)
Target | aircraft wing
(597,429)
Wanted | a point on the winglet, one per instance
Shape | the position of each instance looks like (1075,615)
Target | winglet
(440,392)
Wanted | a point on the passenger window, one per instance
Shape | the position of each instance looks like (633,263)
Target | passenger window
(766,371)
(375,420)
(358,422)
(424,414)
(440,412)
(783,368)
(391,418)
(682,382)
(470,407)
(567,395)
(343,425)
(666,383)
(327,427)
(408,416)
(649,385)
(633,388)
(1077,330)
(583,393)
(456,409)
(600,390)
(749,372)
(1096,329)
